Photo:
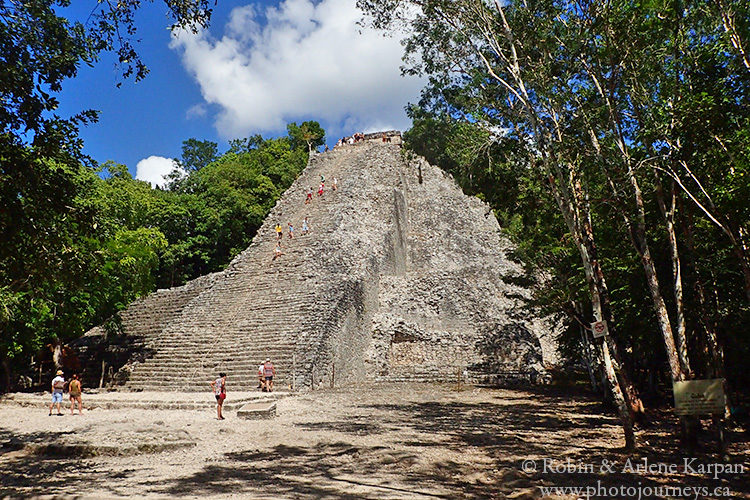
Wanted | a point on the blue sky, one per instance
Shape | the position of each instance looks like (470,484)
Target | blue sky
(259,66)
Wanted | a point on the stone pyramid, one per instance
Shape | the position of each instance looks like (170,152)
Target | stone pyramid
(402,278)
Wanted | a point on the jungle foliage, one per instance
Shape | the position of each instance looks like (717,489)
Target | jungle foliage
(80,241)
(611,138)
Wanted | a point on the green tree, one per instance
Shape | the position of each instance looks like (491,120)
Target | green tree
(197,154)
(309,134)
(245,145)
(47,218)
(631,114)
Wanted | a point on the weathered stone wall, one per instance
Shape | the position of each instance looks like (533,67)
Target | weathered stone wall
(398,280)
(452,306)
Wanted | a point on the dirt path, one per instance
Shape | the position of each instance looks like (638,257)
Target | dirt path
(404,442)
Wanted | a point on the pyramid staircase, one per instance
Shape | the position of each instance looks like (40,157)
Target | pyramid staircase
(399,279)
(257,308)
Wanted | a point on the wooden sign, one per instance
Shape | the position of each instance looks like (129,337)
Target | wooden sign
(699,397)
(599,329)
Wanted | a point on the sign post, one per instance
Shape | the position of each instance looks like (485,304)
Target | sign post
(599,329)
(699,397)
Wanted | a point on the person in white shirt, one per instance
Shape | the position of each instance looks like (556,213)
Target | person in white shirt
(58,385)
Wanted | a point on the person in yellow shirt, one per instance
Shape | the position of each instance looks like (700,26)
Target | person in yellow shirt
(279,231)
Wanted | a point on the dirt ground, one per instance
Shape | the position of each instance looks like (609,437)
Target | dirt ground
(428,441)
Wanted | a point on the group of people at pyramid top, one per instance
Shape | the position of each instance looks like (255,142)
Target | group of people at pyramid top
(358,137)
(277,252)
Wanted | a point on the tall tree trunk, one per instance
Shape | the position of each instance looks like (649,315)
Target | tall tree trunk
(602,297)
(620,401)
(638,228)
(730,27)
(669,213)
(588,358)
(741,252)
(614,382)
(715,349)
(638,232)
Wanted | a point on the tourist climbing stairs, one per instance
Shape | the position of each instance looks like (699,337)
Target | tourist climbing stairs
(259,307)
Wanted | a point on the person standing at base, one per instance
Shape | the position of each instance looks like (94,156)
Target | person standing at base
(269,371)
(261,378)
(58,384)
(75,390)
(219,387)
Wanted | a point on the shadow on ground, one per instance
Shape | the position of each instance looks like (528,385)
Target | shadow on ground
(446,446)
(542,425)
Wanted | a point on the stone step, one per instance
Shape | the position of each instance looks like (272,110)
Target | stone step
(242,368)
(168,353)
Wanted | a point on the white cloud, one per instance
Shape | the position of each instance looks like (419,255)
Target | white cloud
(196,111)
(153,169)
(300,60)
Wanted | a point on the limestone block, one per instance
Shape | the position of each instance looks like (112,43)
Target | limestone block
(257,411)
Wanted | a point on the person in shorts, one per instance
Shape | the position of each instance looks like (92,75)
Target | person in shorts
(261,378)
(74,390)
(269,371)
(277,251)
(305,227)
(309,196)
(291,231)
(58,385)
(219,387)
(279,231)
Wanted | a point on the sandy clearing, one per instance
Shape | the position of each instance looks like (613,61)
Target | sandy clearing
(428,441)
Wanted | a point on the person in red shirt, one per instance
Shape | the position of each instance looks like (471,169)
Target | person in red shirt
(219,387)
(269,371)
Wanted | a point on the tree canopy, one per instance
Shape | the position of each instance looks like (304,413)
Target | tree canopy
(52,247)
(108,238)
(309,134)
(610,139)
(81,241)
